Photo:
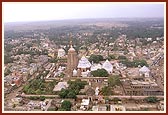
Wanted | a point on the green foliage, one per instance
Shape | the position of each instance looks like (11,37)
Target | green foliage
(8,59)
(71,94)
(39,86)
(113,80)
(112,57)
(100,73)
(53,60)
(7,72)
(134,63)
(106,91)
(121,57)
(116,99)
(63,93)
(151,99)
(140,62)
(73,89)
(42,98)
(96,58)
(66,105)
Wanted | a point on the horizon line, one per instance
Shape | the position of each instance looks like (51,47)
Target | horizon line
(81,19)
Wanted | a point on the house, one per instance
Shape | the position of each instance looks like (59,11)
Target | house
(60,85)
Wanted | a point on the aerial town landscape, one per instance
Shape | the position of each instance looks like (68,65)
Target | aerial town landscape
(102,64)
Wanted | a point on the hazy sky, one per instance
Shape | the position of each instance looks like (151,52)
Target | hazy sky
(14,12)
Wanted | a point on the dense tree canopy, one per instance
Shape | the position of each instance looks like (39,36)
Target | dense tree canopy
(100,73)
(96,58)
(66,105)
(73,89)
(134,63)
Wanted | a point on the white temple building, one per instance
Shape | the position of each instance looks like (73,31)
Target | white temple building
(144,71)
(61,53)
(108,66)
(84,65)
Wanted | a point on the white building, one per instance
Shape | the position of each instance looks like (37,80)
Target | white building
(95,67)
(84,66)
(108,66)
(60,85)
(74,72)
(61,53)
(84,63)
(144,71)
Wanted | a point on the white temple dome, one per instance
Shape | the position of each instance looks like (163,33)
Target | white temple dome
(84,63)
(144,69)
(107,66)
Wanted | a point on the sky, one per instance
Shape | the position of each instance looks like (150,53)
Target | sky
(16,12)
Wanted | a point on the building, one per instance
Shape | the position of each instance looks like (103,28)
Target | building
(60,85)
(141,88)
(144,71)
(107,66)
(72,60)
(84,66)
(61,53)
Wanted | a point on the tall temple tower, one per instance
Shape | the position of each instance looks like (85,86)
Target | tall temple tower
(72,60)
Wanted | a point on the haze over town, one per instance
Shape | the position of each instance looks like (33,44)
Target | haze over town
(15,12)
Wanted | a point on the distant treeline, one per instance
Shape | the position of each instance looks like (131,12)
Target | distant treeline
(140,28)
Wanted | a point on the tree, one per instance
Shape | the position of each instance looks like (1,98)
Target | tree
(42,98)
(63,93)
(140,62)
(7,72)
(112,57)
(71,94)
(100,73)
(66,105)
(116,99)
(113,80)
(121,57)
(96,58)
(151,99)
(134,63)
(106,91)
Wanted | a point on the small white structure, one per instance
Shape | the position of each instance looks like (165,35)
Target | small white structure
(84,104)
(60,85)
(61,53)
(97,91)
(144,71)
(74,72)
(107,66)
